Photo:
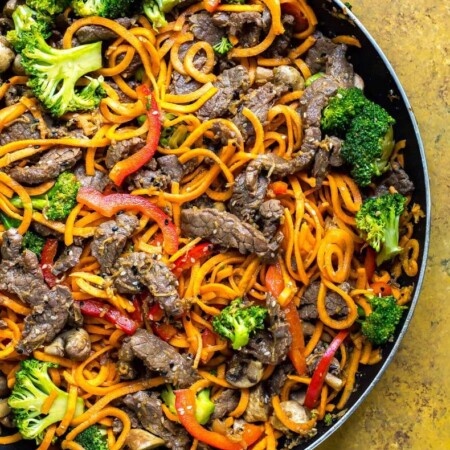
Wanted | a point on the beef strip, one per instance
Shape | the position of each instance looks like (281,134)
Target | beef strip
(276,382)
(230,84)
(159,356)
(95,33)
(110,239)
(272,345)
(139,269)
(339,68)
(280,46)
(147,407)
(227,230)
(122,149)
(21,275)
(170,166)
(68,259)
(317,55)
(327,155)
(226,402)
(271,212)
(133,67)
(98,181)
(204,29)
(24,128)
(50,165)
(258,407)
(396,178)
(181,85)
(335,305)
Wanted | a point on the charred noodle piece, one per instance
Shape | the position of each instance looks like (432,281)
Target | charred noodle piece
(226,230)
(159,356)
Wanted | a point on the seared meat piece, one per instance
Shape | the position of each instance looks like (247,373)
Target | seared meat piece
(280,46)
(226,402)
(334,145)
(159,356)
(182,85)
(68,259)
(271,212)
(271,346)
(21,275)
(334,304)
(139,269)
(317,55)
(227,230)
(26,127)
(94,33)
(321,164)
(133,67)
(398,179)
(245,204)
(259,101)
(339,68)
(99,181)
(147,408)
(230,84)
(14,93)
(170,166)
(50,165)
(244,25)
(258,405)
(46,320)
(204,29)
(110,239)
(328,154)
(275,383)
(122,149)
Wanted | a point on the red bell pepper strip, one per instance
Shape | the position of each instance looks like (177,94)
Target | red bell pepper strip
(251,433)
(185,406)
(211,5)
(381,288)
(155,312)
(108,205)
(134,162)
(164,330)
(318,378)
(191,257)
(47,259)
(278,187)
(94,308)
(300,21)
(275,285)
(370,263)
(136,315)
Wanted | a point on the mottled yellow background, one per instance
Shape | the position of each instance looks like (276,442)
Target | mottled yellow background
(410,408)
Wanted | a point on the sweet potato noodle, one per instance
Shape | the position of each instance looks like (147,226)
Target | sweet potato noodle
(244,197)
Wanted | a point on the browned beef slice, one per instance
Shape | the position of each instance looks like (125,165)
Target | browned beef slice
(26,127)
(226,402)
(98,181)
(110,239)
(230,84)
(68,259)
(280,46)
(334,304)
(259,101)
(278,378)
(339,68)
(50,165)
(204,29)
(94,33)
(182,85)
(272,345)
(170,166)
(159,356)
(147,408)
(46,320)
(122,149)
(271,212)
(139,269)
(133,67)
(396,178)
(227,230)
(245,25)
(317,55)
(21,275)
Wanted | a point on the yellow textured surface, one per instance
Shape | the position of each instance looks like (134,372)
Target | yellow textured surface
(410,408)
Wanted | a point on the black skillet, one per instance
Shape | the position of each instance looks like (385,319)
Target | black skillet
(382,86)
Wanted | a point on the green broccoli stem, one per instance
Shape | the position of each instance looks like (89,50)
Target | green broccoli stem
(8,222)
(390,246)
(241,335)
(38,202)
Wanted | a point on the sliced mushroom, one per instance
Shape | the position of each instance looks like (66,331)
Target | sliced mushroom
(244,373)
(4,408)
(288,76)
(333,381)
(6,54)
(296,412)
(3,385)
(75,344)
(263,75)
(138,439)
(258,405)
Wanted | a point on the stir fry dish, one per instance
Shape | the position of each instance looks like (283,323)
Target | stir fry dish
(206,227)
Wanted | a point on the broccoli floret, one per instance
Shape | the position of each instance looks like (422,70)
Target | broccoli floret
(104,8)
(223,47)
(378,220)
(369,143)
(31,390)
(379,326)
(93,438)
(31,240)
(57,203)
(237,322)
(341,110)
(204,406)
(51,7)
(55,72)
(155,10)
